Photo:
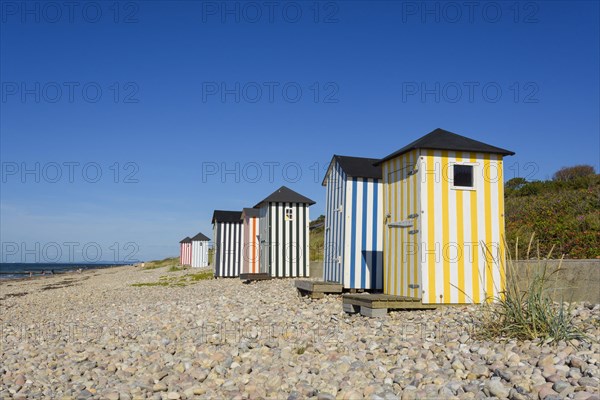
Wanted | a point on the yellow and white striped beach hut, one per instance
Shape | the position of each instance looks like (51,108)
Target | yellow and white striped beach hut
(443,210)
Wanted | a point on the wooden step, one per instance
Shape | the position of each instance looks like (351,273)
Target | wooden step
(378,305)
(316,289)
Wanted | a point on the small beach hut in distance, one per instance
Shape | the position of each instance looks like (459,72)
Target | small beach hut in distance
(284,233)
(228,239)
(353,250)
(200,251)
(185,251)
(251,243)
(443,205)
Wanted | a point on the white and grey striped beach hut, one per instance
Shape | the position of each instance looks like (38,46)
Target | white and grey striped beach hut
(284,234)
(251,246)
(185,251)
(200,251)
(228,230)
(353,248)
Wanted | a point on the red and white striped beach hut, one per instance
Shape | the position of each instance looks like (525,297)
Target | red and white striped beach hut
(185,251)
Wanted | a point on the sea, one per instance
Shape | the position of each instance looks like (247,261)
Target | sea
(22,270)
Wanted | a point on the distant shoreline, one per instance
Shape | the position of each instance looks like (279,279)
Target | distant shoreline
(24,276)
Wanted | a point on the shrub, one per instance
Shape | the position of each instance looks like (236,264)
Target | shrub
(563,215)
(570,173)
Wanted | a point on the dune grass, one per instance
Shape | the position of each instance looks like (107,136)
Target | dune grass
(179,281)
(167,262)
(525,309)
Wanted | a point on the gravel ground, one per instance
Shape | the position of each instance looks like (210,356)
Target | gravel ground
(93,335)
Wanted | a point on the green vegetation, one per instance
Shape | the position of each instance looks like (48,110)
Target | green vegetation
(211,255)
(317,239)
(525,310)
(200,276)
(150,284)
(167,262)
(563,212)
(181,280)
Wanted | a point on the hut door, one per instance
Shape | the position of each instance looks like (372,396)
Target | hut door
(263,240)
(403,228)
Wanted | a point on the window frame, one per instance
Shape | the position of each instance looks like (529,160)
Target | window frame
(473,165)
(285,214)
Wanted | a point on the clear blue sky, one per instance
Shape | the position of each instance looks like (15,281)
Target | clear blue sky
(151,86)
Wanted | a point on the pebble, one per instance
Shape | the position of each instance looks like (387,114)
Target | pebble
(585,381)
(559,386)
(496,388)
(103,338)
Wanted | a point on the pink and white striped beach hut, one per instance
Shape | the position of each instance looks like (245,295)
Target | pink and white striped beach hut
(185,251)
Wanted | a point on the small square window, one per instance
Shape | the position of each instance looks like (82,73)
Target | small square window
(289,214)
(463,176)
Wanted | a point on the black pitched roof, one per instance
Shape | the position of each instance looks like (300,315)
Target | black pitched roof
(200,238)
(285,195)
(440,139)
(226,216)
(186,240)
(358,167)
(250,212)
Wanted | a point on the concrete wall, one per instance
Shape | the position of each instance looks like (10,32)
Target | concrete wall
(316,269)
(577,280)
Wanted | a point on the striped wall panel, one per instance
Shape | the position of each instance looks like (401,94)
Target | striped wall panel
(333,252)
(353,254)
(228,248)
(285,248)
(457,255)
(363,243)
(199,254)
(251,246)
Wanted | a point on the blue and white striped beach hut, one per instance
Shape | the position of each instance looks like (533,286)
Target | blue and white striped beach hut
(353,254)
(228,241)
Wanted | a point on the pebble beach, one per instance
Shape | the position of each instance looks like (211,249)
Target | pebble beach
(101,335)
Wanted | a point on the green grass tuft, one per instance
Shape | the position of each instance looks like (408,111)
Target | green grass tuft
(525,309)
(150,284)
(200,276)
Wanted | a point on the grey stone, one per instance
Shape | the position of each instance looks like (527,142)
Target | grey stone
(496,388)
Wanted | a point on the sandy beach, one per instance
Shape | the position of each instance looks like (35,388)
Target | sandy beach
(94,335)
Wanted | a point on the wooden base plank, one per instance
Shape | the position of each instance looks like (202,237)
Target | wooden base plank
(318,286)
